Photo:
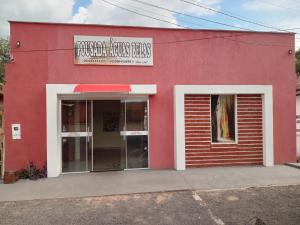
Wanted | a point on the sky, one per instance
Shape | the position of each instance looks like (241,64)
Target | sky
(272,15)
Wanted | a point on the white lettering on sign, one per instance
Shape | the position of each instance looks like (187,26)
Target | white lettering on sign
(106,50)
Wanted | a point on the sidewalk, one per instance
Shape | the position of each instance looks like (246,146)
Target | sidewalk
(140,181)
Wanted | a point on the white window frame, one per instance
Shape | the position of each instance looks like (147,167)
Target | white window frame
(54,94)
(179,125)
(235,122)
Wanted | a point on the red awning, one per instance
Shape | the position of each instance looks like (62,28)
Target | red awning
(102,88)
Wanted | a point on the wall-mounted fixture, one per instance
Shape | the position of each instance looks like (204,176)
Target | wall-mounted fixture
(18,44)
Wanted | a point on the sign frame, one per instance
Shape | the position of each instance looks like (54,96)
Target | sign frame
(113,50)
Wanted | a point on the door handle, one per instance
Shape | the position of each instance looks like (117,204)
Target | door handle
(88,134)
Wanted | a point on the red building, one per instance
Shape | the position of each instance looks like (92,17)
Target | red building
(96,98)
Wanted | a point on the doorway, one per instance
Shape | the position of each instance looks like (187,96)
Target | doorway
(104,135)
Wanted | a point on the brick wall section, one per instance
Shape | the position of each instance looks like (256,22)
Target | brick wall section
(199,151)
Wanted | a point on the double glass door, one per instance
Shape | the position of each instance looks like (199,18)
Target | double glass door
(101,135)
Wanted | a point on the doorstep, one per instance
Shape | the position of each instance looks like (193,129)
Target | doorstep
(295,165)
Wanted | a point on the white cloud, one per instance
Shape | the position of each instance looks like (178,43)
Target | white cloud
(292,23)
(81,16)
(98,12)
(103,13)
(284,13)
(269,5)
(34,10)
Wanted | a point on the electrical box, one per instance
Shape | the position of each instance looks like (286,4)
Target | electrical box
(16,131)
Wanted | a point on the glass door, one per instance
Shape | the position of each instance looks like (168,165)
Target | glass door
(76,136)
(106,135)
(101,135)
(135,134)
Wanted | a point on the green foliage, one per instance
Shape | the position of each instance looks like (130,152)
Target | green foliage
(36,173)
(4,57)
(298,62)
(32,172)
(23,174)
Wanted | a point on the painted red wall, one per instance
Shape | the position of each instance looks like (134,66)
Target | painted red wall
(233,60)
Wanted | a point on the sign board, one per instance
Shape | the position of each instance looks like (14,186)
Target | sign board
(107,50)
(16,131)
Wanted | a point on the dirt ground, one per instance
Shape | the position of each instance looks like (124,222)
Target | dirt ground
(273,205)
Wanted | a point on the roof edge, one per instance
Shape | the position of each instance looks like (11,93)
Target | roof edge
(148,27)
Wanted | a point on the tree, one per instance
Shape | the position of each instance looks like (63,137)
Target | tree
(4,57)
(298,62)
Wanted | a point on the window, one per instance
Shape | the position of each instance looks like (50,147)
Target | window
(223,118)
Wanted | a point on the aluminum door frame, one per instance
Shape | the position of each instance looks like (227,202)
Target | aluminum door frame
(89,134)
(136,133)
(86,134)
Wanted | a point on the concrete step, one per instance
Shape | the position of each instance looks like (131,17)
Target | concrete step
(295,165)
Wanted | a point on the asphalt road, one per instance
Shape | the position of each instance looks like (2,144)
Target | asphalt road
(273,205)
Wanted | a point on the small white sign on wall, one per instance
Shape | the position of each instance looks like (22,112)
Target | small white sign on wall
(16,131)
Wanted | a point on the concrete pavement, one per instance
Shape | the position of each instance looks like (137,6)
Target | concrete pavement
(142,181)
